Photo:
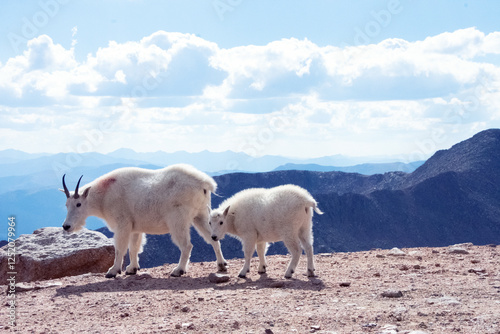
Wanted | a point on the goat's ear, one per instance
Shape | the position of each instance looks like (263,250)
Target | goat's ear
(209,210)
(226,212)
(86,192)
(62,190)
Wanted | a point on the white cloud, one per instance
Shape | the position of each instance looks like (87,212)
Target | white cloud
(74,30)
(180,90)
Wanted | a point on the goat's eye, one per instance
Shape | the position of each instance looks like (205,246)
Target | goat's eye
(209,223)
(221,223)
(78,205)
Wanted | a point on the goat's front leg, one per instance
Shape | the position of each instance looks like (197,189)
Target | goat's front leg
(201,225)
(182,239)
(121,241)
(248,249)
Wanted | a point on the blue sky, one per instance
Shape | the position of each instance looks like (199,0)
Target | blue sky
(293,78)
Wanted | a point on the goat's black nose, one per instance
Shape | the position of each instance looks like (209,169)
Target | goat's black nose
(214,237)
(66,227)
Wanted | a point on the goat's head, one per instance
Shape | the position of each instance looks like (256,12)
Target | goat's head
(218,223)
(77,207)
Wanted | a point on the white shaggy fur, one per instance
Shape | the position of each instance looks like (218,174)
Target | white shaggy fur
(134,201)
(258,216)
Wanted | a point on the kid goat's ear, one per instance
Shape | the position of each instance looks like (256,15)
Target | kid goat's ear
(226,211)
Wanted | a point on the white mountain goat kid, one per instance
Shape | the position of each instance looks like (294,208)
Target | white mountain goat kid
(257,216)
(134,201)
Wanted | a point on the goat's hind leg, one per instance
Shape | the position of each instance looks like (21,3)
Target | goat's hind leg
(261,252)
(134,248)
(306,240)
(294,248)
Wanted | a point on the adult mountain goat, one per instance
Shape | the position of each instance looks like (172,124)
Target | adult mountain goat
(258,216)
(134,201)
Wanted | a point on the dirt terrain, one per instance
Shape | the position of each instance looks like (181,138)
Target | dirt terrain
(427,290)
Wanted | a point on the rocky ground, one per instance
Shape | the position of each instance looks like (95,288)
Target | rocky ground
(426,290)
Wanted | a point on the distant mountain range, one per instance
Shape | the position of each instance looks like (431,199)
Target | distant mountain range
(366,169)
(36,172)
(454,197)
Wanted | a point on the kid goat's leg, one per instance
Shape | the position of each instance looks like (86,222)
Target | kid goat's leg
(261,252)
(248,250)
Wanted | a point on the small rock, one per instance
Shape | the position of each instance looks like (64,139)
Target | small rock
(404,267)
(457,250)
(218,278)
(392,294)
(345,284)
(277,284)
(185,309)
(268,331)
(388,329)
(477,271)
(463,245)
(380,256)
(315,327)
(50,285)
(315,281)
(142,276)
(187,325)
(443,301)
(399,313)
(235,325)
(396,252)
(415,253)
(22,287)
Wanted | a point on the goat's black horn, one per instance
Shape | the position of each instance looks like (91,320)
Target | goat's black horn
(66,191)
(77,185)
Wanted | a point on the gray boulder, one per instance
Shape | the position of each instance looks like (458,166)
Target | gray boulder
(51,253)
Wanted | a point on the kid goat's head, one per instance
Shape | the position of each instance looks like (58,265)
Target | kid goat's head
(218,223)
(77,207)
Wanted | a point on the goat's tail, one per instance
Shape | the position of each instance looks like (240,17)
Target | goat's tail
(315,207)
(312,204)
